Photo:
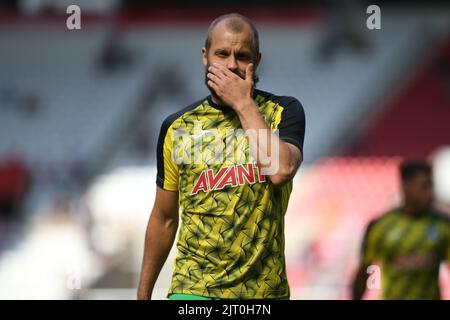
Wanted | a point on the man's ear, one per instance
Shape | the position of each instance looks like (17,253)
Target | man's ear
(204,56)
(257,61)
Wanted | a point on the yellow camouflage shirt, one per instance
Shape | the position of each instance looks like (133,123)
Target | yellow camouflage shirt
(410,250)
(231,236)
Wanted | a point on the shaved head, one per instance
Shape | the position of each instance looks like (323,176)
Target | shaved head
(233,43)
(236,23)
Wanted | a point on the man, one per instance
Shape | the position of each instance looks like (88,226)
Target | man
(231,239)
(409,242)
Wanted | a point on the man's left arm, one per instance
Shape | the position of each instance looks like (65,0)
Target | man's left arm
(281,164)
(237,93)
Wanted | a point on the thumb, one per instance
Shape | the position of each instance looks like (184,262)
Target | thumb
(249,72)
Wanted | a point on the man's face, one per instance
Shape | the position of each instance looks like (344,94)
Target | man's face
(418,190)
(230,49)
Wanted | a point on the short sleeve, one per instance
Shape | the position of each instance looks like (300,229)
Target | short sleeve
(167,175)
(292,124)
(367,251)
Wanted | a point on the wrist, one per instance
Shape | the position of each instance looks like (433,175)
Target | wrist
(244,105)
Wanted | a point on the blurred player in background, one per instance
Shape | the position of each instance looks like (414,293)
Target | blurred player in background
(410,242)
(231,239)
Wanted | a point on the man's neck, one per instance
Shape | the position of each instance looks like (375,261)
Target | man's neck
(412,211)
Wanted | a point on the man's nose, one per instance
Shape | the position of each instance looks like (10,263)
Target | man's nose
(231,64)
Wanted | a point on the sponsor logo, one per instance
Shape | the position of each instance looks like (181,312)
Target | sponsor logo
(233,176)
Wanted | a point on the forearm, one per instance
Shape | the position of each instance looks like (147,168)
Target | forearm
(277,159)
(266,147)
(159,239)
(359,283)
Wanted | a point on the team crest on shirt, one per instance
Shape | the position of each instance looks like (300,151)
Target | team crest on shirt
(233,176)
(432,233)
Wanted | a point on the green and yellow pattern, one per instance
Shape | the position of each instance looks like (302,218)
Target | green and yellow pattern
(231,239)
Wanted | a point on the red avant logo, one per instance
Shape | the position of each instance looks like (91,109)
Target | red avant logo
(233,176)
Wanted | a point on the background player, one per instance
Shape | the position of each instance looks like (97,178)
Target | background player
(410,242)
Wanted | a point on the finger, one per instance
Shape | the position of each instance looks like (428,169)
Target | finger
(221,70)
(211,76)
(214,86)
(216,80)
(249,72)
(217,72)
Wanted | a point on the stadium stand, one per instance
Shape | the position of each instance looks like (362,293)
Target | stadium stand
(78,109)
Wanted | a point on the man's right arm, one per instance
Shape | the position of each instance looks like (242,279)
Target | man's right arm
(159,238)
(360,282)
(367,255)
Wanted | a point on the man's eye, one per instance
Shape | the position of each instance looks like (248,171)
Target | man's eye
(243,57)
(221,54)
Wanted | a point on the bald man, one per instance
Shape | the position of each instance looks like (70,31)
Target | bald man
(225,166)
